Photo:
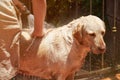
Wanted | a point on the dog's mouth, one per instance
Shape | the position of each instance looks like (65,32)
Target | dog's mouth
(98,50)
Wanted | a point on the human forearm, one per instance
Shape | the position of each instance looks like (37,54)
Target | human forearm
(39,11)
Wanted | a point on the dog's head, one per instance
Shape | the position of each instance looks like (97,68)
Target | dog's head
(89,31)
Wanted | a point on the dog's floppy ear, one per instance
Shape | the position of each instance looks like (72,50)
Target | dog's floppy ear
(78,32)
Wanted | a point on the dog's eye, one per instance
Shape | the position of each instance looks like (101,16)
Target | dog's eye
(92,34)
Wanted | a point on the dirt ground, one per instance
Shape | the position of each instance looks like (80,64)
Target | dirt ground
(113,77)
(109,77)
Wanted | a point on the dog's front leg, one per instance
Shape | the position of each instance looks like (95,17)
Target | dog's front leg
(61,77)
(70,77)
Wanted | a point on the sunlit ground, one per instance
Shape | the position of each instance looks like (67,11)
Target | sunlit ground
(108,77)
(112,77)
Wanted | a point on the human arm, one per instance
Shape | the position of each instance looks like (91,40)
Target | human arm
(39,11)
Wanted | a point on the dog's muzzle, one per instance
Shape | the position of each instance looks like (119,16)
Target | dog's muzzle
(98,50)
(102,49)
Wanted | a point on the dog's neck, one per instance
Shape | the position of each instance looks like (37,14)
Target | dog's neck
(77,55)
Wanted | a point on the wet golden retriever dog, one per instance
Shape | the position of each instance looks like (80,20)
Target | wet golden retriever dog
(61,52)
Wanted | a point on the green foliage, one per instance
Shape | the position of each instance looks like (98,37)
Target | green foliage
(62,11)
(56,10)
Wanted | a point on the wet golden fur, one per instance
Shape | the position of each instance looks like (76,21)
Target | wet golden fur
(62,51)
